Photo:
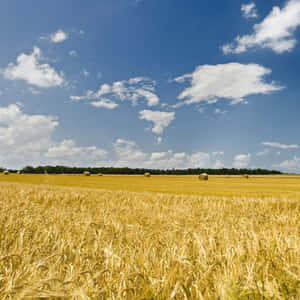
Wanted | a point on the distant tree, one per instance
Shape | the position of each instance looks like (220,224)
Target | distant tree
(137,171)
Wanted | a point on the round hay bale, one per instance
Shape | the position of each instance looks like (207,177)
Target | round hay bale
(6,172)
(86,173)
(147,175)
(100,174)
(19,172)
(203,176)
(246,176)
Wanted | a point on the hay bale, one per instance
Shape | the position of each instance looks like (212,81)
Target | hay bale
(246,176)
(6,172)
(19,172)
(203,176)
(86,173)
(100,174)
(147,175)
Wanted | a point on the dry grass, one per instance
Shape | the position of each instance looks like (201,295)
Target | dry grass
(71,243)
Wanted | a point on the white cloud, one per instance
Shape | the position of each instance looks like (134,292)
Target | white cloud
(23,137)
(276,31)
(158,140)
(58,37)
(280,146)
(67,152)
(28,139)
(166,160)
(291,165)
(72,53)
(218,153)
(28,131)
(86,73)
(238,101)
(262,153)
(160,119)
(76,98)
(241,160)
(151,98)
(30,69)
(199,160)
(249,10)
(104,103)
(131,90)
(218,165)
(34,91)
(160,155)
(218,111)
(169,159)
(232,81)
(128,154)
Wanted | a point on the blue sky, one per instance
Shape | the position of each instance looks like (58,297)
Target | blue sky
(150,83)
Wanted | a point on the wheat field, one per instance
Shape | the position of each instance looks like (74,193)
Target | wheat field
(67,242)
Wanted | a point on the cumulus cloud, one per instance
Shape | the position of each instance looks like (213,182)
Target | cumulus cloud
(29,131)
(85,73)
(104,103)
(242,160)
(23,137)
(218,153)
(128,154)
(232,81)
(67,152)
(280,146)
(276,31)
(158,140)
(28,139)
(262,153)
(58,36)
(72,53)
(30,69)
(166,160)
(219,111)
(160,119)
(291,165)
(199,159)
(34,91)
(170,159)
(218,165)
(249,10)
(132,90)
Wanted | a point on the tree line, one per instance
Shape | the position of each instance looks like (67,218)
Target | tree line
(140,171)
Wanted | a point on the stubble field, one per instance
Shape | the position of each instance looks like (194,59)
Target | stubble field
(122,237)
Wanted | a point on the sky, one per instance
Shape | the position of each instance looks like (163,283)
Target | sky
(150,83)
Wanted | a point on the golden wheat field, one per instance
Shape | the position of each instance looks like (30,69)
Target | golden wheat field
(130,237)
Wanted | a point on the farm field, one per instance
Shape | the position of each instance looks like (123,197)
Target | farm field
(287,185)
(164,237)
